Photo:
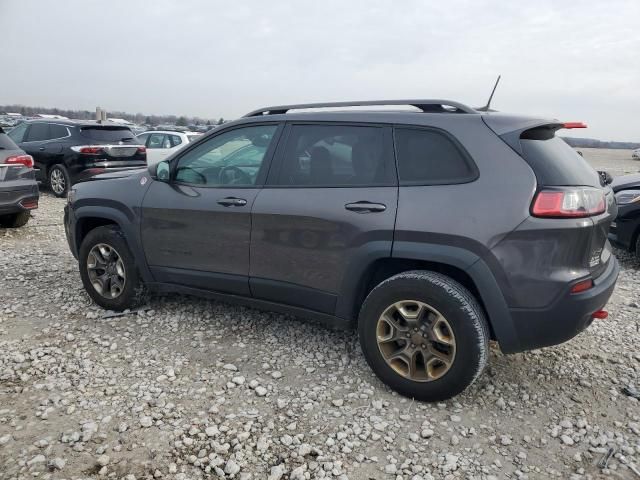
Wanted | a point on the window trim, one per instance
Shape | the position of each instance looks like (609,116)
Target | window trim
(475,172)
(48,124)
(278,160)
(264,167)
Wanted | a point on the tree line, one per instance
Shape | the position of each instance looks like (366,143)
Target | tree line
(138,118)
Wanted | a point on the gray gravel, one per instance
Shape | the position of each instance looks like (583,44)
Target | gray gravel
(188,388)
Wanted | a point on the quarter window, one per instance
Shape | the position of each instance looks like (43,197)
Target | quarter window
(429,157)
(233,158)
(335,155)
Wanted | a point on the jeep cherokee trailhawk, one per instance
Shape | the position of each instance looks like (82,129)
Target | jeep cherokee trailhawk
(432,231)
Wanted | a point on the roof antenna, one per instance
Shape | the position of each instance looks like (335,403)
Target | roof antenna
(486,107)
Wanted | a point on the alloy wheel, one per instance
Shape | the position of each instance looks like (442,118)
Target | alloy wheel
(57,181)
(106,271)
(416,340)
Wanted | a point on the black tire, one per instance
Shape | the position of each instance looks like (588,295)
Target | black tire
(15,220)
(59,180)
(461,311)
(638,247)
(132,295)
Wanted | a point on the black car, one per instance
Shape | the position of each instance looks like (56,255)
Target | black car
(18,188)
(625,231)
(432,230)
(65,151)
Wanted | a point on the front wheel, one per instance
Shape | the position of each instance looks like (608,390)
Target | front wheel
(108,269)
(59,180)
(424,335)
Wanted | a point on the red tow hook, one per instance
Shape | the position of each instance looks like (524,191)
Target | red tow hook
(600,314)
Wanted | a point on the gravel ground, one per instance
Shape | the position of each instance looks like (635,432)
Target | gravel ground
(189,388)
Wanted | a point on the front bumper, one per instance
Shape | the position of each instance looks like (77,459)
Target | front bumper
(569,315)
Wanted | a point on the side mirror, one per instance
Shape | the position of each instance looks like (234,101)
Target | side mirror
(163,171)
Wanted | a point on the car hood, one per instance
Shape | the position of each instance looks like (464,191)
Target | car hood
(626,181)
(92,174)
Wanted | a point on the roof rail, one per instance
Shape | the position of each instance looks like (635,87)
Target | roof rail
(427,106)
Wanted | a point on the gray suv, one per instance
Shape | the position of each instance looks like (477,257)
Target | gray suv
(432,231)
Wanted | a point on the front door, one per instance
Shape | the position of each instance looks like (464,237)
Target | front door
(328,209)
(196,227)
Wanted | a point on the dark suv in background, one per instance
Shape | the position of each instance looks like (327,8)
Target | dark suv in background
(18,188)
(65,151)
(432,230)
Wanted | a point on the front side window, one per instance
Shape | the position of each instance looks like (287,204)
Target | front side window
(38,132)
(335,155)
(233,158)
(17,133)
(429,157)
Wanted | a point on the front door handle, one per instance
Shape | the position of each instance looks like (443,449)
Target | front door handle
(365,207)
(41,149)
(232,202)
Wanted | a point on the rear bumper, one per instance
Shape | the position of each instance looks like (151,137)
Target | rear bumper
(569,315)
(14,200)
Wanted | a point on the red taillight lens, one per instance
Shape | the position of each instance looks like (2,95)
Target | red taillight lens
(569,203)
(88,149)
(30,204)
(582,286)
(142,150)
(26,160)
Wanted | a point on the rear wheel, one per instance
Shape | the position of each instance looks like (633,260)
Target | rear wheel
(59,180)
(108,269)
(424,335)
(15,220)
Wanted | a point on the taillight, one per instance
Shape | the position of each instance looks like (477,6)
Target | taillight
(570,125)
(582,286)
(29,204)
(26,160)
(569,202)
(142,150)
(88,149)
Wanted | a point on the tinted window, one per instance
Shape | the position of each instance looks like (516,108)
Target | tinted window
(428,157)
(38,132)
(6,143)
(174,140)
(57,131)
(231,158)
(142,138)
(556,163)
(108,134)
(157,140)
(334,155)
(17,133)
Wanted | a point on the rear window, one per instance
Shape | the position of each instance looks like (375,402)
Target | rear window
(108,134)
(556,163)
(429,157)
(6,143)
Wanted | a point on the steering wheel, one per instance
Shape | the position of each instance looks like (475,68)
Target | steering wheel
(233,175)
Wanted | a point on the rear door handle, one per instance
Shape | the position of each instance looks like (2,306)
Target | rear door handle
(232,202)
(365,207)
(41,149)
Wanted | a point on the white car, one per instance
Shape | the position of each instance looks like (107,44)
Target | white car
(636,154)
(161,144)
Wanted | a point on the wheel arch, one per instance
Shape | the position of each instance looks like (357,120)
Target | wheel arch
(464,266)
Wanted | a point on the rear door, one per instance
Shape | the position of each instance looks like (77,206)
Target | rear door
(196,228)
(328,209)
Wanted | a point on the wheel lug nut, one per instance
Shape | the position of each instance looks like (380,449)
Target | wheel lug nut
(408,335)
(413,345)
(424,346)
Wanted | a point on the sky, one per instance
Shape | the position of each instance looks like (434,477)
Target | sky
(575,61)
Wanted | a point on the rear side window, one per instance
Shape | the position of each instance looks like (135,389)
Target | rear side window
(57,131)
(430,157)
(336,155)
(556,163)
(38,132)
(174,140)
(108,134)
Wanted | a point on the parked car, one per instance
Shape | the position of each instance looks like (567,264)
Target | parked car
(65,151)
(18,188)
(636,154)
(432,231)
(162,143)
(625,230)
